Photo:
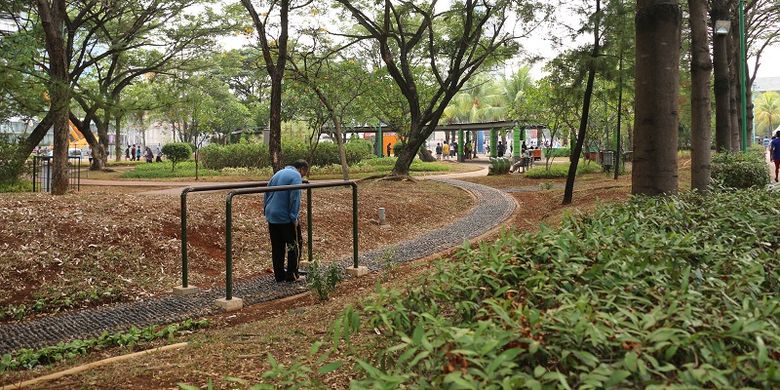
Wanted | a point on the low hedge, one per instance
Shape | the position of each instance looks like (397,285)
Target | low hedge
(252,155)
(561,170)
(740,170)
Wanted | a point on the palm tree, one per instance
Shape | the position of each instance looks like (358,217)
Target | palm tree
(767,111)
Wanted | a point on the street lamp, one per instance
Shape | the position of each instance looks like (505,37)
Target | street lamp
(722,27)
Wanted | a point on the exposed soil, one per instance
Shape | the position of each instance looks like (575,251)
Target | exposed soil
(107,238)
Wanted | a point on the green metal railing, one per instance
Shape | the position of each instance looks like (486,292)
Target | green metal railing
(184,192)
(308,187)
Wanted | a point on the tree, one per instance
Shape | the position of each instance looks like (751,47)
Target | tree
(451,46)
(701,69)
(577,149)
(767,112)
(720,53)
(658,38)
(177,152)
(275,56)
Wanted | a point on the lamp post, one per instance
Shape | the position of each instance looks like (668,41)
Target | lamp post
(742,77)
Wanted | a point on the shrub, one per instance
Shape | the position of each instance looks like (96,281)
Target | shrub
(177,152)
(323,279)
(10,167)
(740,170)
(241,155)
(562,170)
(557,152)
(634,296)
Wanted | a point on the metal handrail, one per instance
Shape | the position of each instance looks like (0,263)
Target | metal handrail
(184,192)
(308,187)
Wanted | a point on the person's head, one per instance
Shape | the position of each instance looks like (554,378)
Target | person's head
(777,134)
(302,166)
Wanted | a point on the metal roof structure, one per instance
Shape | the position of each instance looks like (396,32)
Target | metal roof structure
(455,126)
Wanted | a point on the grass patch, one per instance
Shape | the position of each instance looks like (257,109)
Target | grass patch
(16,186)
(641,295)
(163,170)
(30,358)
(562,170)
(94,295)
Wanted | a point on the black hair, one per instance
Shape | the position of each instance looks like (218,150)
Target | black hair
(298,164)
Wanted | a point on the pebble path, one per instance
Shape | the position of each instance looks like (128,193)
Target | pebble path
(492,208)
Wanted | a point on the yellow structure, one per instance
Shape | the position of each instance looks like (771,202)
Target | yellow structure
(76,140)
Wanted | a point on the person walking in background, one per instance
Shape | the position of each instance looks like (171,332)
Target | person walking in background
(774,152)
(438,151)
(127,153)
(453,149)
(389,148)
(159,154)
(149,155)
(445,150)
(281,212)
(132,153)
(138,153)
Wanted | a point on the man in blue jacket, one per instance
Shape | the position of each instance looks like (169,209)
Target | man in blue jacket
(281,212)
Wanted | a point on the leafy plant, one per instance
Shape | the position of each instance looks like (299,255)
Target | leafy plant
(561,170)
(61,302)
(680,291)
(177,152)
(323,279)
(740,170)
(30,358)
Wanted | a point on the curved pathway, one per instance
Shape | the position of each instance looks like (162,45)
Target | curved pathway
(492,208)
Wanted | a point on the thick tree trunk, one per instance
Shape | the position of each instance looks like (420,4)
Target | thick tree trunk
(275,124)
(722,86)
(574,157)
(408,152)
(701,68)
(53,20)
(657,88)
(117,137)
(734,100)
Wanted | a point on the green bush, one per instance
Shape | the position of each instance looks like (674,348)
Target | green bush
(16,186)
(323,279)
(562,170)
(240,155)
(10,167)
(557,152)
(177,152)
(740,170)
(251,155)
(640,295)
(165,170)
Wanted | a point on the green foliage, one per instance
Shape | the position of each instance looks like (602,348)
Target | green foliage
(499,166)
(249,155)
(15,186)
(57,303)
(323,279)
(10,166)
(30,358)
(740,170)
(177,152)
(557,152)
(562,170)
(398,147)
(658,292)
(165,170)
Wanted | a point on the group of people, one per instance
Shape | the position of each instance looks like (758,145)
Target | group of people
(134,153)
(446,150)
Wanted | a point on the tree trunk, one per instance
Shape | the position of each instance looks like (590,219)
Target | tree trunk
(657,89)
(340,145)
(117,137)
(701,68)
(720,53)
(574,157)
(734,111)
(53,20)
(408,152)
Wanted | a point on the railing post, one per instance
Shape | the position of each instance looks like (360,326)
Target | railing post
(229,247)
(35,171)
(184,262)
(354,224)
(309,219)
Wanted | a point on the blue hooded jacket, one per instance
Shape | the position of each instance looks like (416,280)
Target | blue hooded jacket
(283,206)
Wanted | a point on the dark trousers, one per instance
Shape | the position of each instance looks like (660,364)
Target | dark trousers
(285,237)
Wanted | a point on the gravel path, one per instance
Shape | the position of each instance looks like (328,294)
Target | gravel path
(492,208)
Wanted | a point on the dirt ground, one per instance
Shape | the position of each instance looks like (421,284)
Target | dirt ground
(125,241)
(237,344)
